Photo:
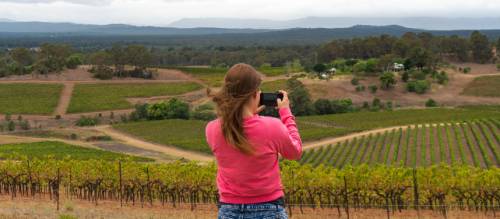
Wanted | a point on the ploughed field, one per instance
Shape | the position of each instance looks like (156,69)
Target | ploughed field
(475,143)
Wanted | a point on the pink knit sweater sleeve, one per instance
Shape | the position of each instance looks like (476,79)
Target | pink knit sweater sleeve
(287,138)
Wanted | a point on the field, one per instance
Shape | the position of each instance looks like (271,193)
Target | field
(487,86)
(59,150)
(272,86)
(190,134)
(341,124)
(98,97)
(185,134)
(214,77)
(475,143)
(178,184)
(29,98)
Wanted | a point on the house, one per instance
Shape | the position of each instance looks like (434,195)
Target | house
(398,66)
(331,71)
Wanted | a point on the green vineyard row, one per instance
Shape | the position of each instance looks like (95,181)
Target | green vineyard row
(190,183)
(474,143)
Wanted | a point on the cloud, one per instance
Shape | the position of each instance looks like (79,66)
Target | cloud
(80,2)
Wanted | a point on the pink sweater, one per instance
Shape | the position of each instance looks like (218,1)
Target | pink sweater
(244,179)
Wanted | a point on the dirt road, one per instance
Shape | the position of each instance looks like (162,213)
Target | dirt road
(170,150)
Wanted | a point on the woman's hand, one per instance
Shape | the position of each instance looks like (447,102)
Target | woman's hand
(285,103)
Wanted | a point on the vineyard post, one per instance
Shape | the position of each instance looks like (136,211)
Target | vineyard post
(121,187)
(346,200)
(415,192)
(57,187)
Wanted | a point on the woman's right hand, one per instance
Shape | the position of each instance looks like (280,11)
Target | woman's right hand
(285,103)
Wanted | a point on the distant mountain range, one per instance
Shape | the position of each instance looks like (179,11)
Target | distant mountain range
(33,33)
(429,23)
(110,29)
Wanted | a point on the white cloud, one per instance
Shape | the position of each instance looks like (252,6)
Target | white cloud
(162,12)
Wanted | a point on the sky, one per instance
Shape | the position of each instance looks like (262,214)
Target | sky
(163,12)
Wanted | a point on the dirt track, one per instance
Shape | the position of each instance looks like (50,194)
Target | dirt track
(170,150)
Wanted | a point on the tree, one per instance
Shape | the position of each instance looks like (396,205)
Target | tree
(22,56)
(498,47)
(387,80)
(52,57)
(173,109)
(418,86)
(138,56)
(300,100)
(430,103)
(118,57)
(323,106)
(319,68)
(73,61)
(481,50)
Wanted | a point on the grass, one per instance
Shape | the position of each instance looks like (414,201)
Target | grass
(60,150)
(190,134)
(486,86)
(29,98)
(213,77)
(272,86)
(99,97)
(185,134)
(482,148)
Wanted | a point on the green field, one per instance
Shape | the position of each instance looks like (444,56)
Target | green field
(213,77)
(29,98)
(486,86)
(98,97)
(185,134)
(474,143)
(341,124)
(271,86)
(190,134)
(59,150)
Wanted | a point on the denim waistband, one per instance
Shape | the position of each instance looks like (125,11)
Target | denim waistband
(256,206)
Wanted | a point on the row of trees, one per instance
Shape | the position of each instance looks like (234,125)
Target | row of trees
(48,58)
(415,50)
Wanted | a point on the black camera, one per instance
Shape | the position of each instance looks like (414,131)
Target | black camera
(269,99)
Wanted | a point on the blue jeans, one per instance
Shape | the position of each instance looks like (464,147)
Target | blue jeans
(252,211)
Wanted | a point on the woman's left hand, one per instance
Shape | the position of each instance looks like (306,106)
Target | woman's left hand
(260,109)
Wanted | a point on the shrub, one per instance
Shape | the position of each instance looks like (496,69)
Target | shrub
(102,72)
(58,117)
(360,88)
(8,117)
(354,81)
(430,103)
(405,76)
(173,109)
(11,126)
(204,112)
(466,70)
(25,125)
(373,88)
(376,104)
(73,136)
(323,106)
(442,78)
(388,105)
(419,87)
(387,80)
(498,66)
(73,61)
(87,121)
(366,105)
